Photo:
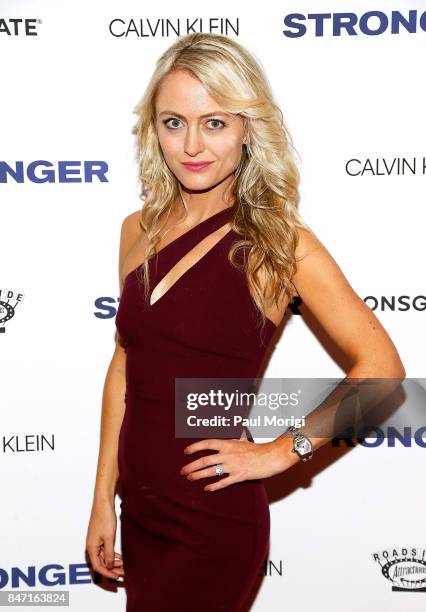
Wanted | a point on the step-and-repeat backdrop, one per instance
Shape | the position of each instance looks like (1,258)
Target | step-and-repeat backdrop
(348,528)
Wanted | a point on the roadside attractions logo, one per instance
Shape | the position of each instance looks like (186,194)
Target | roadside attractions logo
(404,567)
(9,301)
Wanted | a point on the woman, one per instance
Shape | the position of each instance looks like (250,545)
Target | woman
(201,296)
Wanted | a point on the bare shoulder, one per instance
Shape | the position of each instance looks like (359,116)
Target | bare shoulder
(132,239)
(318,273)
(308,242)
(130,228)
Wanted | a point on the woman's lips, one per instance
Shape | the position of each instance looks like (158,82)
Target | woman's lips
(196,166)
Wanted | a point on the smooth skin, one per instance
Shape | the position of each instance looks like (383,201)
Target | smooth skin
(185,134)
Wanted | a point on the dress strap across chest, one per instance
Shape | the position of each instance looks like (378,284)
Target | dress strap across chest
(174,251)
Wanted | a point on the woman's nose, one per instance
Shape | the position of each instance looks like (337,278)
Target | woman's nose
(193,141)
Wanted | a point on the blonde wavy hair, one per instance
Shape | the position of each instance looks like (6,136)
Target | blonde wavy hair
(265,186)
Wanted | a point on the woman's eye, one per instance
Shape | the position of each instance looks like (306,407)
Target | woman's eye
(167,121)
(216,121)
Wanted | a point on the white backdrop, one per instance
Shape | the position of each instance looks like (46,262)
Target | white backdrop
(354,105)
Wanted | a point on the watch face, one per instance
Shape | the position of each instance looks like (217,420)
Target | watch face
(303,446)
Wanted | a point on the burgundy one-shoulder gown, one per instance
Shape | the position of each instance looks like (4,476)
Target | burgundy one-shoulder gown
(186,549)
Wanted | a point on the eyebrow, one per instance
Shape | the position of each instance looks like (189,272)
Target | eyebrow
(169,112)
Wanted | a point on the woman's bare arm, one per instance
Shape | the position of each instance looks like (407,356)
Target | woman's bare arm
(358,333)
(103,521)
(113,404)
(113,407)
(344,316)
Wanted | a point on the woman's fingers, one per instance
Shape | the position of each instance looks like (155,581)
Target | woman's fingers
(108,553)
(97,561)
(118,565)
(100,542)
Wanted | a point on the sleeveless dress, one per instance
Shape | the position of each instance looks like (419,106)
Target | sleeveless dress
(185,548)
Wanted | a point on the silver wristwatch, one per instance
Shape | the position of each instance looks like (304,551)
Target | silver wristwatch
(301,444)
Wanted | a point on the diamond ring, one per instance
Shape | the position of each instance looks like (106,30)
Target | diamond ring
(219,469)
